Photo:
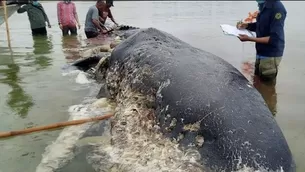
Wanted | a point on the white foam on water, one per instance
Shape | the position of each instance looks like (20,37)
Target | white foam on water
(73,72)
(79,77)
(60,152)
(82,78)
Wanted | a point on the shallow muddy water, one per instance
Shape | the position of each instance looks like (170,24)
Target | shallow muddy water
(34,91)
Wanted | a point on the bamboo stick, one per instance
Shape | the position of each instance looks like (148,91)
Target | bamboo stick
(53,126)
(6,24)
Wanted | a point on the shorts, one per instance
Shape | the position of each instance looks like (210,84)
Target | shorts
(267,68)
(39,31)
(90,34)
(66,29)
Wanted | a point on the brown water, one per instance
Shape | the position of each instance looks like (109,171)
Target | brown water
(34,92)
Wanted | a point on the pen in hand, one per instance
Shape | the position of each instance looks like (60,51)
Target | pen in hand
(239,23)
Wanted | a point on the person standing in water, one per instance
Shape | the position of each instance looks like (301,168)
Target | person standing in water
(105,12)
(270,37)
(92,24)
(37,17)
(67,17)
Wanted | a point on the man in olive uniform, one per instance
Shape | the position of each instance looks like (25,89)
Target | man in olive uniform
(270,37)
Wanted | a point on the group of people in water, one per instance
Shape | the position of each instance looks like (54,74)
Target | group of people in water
(67,16)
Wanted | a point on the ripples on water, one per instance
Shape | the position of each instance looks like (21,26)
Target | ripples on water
(35,92)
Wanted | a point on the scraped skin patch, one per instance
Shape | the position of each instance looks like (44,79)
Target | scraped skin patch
(192,127)
(101,103)
(105,104)
(116,42)
(95,51)
(200,140)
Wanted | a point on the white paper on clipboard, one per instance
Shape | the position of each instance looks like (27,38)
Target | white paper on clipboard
(232,30)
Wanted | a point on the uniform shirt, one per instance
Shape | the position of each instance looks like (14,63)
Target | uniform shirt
(36,14)
(92,13)
(66,13)
(270,22)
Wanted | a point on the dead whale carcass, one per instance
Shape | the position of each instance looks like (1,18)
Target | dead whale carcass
(199,100)
(182,109)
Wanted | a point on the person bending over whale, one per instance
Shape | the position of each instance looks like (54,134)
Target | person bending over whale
(92,24)
(270,40)
(105,12)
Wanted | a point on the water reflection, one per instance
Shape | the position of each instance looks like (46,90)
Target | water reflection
(42,47)
(266,89)
(71,45)
(18,100)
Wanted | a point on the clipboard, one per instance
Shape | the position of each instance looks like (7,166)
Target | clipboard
(233,31)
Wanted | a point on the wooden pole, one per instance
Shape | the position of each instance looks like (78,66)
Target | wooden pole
(6,24)
(53,126)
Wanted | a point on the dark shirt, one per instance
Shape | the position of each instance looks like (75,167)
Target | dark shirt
(36,15)
(270,22)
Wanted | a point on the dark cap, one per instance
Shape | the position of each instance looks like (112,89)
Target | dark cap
(109,2)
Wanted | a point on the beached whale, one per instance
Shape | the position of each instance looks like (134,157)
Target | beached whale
(178,108)
(197,99)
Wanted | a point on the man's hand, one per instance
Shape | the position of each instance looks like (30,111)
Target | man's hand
(104,31)
(241,25)
(117,25)
(49,25)
(60,26)
(244,38)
